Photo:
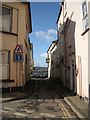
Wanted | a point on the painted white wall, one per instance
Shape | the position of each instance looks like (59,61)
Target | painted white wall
(81,43)
(49,56)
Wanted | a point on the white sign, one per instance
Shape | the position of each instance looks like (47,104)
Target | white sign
(18,49)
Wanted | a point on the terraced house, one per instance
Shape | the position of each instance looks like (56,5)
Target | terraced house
(71,55)
(15,50)
(52,70)
(74,17)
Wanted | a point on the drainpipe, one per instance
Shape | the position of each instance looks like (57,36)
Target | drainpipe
(16,45)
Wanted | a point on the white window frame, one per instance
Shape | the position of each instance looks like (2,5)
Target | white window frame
(65,8)
(85,16)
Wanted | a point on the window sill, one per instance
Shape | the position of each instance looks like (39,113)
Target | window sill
(9,33)
(85,31)
(6,80)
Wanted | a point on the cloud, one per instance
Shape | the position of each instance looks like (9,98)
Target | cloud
(40,34)
(52,31)
(49,38)
(49,35)
(44,55)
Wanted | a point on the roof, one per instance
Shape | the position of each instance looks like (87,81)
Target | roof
(55,41)
(60,12)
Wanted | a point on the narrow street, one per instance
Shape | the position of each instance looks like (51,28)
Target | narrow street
(44,59)
(44,103)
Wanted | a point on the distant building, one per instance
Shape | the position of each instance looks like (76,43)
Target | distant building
(61,47)
(31,58)
(51,60)
(16,25)
(40,72)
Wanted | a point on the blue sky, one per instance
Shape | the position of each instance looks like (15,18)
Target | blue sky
(44,29)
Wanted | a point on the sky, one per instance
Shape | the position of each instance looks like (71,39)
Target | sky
(44,29)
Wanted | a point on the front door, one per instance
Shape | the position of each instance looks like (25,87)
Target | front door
(79,72)
(73,75)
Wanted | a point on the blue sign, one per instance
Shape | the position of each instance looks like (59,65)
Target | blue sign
(18,53)
(18,57)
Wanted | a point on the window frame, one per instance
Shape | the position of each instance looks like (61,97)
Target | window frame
(65,8)
(11,19)
(84,17)
(83,9)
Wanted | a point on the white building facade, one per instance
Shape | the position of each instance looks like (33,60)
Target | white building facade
(79,13)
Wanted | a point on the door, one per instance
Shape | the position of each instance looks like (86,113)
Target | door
(73,75)
(79,72)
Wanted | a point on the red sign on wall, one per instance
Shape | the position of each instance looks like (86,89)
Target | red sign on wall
(18,49)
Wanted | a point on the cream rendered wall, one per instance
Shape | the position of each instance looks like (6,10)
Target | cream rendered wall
(14,21)
(10,41)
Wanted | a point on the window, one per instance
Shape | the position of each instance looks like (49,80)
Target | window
(84,9)
(65,7)
(85,16)
(6,17)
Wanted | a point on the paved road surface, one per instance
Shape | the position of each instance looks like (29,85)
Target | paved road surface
(44,103)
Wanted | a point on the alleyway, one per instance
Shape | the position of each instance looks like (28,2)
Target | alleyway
(43,103)
(44,60)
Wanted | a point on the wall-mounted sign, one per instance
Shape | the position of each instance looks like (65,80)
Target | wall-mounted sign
(18,53)
(18,49)
(19,57)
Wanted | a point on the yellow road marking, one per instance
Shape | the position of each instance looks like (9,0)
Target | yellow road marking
(64,109)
